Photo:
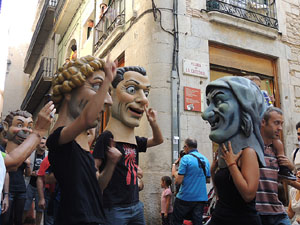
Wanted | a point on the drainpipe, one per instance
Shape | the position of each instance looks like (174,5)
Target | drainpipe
(175,84)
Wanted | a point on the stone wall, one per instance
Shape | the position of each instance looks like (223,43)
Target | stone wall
(291,37)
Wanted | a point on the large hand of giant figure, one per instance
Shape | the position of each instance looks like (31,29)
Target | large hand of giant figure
(19,148)
(157,135)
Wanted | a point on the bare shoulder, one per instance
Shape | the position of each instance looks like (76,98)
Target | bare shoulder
(248,151)
(249,155)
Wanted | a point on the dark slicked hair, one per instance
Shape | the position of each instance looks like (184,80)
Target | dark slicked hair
(120,73)
(191,143)
(9,118)
(297,125)
(267,113)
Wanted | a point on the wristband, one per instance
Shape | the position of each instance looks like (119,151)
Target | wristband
(5,193)
(231,164)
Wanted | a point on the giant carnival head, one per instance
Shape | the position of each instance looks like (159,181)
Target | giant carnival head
(76,82)
(17,125)
(234,112)
(131,88)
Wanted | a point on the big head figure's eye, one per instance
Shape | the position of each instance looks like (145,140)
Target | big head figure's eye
(130,90)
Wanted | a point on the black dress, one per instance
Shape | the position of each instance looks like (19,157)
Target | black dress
(231,208)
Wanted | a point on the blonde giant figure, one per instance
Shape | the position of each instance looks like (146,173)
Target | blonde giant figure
(80,91)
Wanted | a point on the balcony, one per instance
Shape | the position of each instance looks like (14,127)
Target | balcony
(110,26)
(64,13)
(258,11)
(42,30)
(39,86)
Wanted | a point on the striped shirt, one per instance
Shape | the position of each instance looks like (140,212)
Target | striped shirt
(267,202)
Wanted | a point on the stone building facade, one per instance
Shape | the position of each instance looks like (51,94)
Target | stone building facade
(212,39)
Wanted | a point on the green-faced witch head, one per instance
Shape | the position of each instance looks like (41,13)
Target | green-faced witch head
(235,109)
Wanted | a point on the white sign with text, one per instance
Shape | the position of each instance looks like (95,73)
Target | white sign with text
(195,68)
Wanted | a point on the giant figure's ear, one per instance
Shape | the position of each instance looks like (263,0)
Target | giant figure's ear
(5,126)
(246,124)
(5,129)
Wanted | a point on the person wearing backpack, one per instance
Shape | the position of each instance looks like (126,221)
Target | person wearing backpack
(193,174)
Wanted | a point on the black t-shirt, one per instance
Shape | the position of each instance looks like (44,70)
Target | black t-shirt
(37,163)
(122,190)
(74,169)
(16,180)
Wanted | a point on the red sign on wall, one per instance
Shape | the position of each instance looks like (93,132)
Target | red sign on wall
(192,99)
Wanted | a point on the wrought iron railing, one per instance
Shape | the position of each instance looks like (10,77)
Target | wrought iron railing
(47,4)
(114,16)
(46,70)
(258,11)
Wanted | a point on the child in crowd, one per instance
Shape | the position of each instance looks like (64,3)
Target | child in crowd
(166,204)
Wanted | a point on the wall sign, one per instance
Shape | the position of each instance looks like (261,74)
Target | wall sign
(192,99)
(195,68)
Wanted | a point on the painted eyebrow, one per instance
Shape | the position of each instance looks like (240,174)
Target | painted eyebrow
(132,81)
(148,86)
(20,120)
(216,92)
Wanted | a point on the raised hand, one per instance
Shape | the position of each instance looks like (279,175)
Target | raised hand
(44,119)
(228,154)
(110,69)
(151,114)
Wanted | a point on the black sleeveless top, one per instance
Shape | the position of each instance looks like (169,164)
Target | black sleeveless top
(231,207)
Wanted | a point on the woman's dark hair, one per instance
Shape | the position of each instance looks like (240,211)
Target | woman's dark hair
(167,180)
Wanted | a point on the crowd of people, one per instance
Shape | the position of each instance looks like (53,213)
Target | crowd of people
(83,179)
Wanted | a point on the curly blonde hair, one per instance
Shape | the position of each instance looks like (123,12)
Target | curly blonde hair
(73,75)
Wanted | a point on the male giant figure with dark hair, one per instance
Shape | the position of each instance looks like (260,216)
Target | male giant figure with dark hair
(129,94)
(22,138)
